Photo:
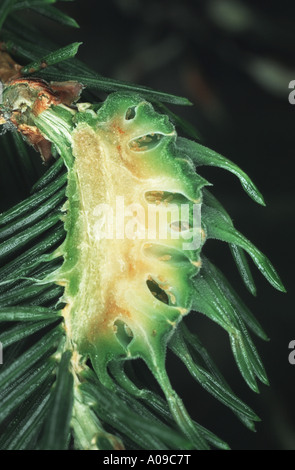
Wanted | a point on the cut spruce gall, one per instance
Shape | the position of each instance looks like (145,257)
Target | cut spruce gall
(126,296)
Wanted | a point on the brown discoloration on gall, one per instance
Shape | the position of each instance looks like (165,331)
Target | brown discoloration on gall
(36,139)
(68,92)
(42,96)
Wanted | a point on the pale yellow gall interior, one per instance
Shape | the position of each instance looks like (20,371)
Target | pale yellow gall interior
(114,285)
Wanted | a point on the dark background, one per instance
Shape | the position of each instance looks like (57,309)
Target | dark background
(234,61)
